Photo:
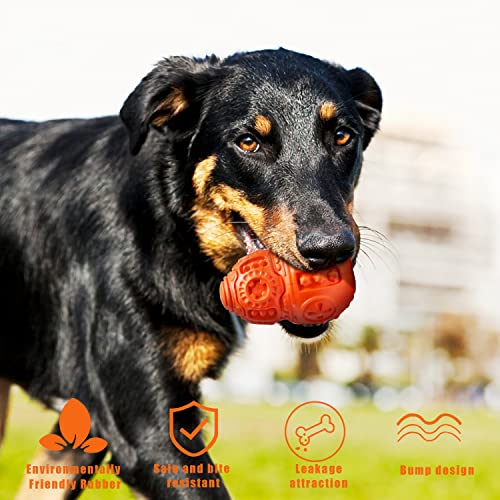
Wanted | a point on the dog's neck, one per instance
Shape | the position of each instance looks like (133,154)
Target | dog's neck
(179,283)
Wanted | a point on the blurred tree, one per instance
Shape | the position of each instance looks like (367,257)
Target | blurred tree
(450,334)
(369,340)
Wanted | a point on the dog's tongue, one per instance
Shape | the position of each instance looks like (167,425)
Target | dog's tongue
(261,288)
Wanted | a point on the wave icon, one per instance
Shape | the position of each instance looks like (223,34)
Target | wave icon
(440,423)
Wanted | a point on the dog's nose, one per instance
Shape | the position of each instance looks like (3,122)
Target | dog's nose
(324,250)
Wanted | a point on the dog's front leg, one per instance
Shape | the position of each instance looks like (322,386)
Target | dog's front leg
(136,391)
(159,470)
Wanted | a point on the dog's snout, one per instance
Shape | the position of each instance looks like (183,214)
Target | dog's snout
(323,250)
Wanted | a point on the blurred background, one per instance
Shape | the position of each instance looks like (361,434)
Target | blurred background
(423,333)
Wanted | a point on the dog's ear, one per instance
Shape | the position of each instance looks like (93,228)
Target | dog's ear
(368,98)
(168,98)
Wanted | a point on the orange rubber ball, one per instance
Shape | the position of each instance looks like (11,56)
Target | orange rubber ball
(261,288)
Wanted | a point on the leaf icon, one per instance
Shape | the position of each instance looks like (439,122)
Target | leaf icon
(94,445)
(74,422)
(53,442)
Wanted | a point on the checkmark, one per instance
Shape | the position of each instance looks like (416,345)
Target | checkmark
(196,431)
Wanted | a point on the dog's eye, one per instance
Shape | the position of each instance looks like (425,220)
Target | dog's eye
(342,137)
(248,143)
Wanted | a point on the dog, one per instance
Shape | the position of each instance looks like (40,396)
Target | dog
(116,232)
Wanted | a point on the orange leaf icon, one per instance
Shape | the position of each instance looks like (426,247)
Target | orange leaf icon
(94,445)
(53,442)
(74,422)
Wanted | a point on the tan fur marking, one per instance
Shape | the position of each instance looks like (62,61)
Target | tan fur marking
(212,216)
(228,199)
(263,125)
(193,353)
(217,237)
(354,225)
(281,237)
(202,173)
(327,111)
(172,105)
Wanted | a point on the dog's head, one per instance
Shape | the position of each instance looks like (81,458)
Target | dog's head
(270,146)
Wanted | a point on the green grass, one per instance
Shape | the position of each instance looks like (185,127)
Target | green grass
(251,442)
(370,457)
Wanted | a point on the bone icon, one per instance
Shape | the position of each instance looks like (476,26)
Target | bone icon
(305,434)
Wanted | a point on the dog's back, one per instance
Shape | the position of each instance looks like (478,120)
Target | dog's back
(16,227)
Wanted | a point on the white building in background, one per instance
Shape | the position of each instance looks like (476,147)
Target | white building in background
(425,195)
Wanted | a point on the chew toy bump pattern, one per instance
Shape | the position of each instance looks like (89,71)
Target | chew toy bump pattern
(261,288)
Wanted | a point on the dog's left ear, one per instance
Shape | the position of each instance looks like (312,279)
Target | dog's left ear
(368,98)
(169,98)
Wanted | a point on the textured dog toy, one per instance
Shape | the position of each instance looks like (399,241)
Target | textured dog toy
(261,288)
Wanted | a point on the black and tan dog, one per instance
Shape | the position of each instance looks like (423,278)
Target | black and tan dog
(115,234)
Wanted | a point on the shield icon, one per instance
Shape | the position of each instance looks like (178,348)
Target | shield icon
(192,433)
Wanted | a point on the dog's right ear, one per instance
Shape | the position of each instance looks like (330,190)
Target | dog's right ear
(368,98)
(168,98)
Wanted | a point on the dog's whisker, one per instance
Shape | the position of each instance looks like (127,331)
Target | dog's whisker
(380,245)
(378,235)
(374,250)
(363,251)
(375,231)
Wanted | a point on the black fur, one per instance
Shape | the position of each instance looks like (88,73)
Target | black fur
(99,257)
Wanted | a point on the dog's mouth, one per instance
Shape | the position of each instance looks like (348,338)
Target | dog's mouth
(246,234)
(252,243)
